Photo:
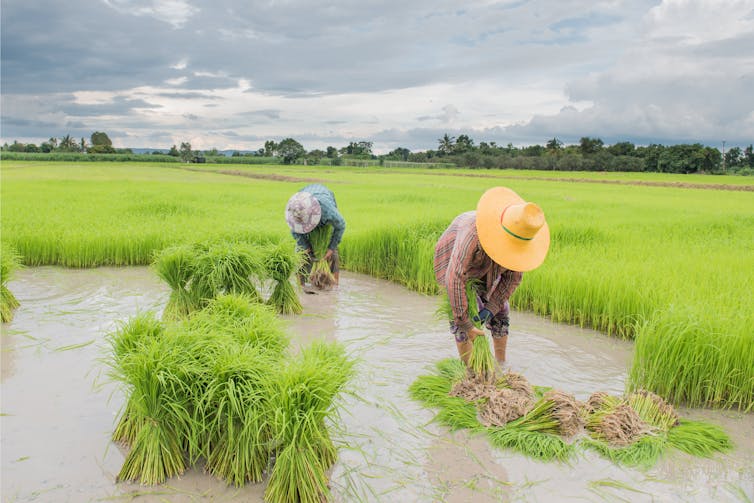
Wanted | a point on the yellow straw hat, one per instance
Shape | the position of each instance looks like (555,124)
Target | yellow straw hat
(512,232)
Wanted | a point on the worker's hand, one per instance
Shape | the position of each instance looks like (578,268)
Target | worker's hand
(475,332)
(328,254)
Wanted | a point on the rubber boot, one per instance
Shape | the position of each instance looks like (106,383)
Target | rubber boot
(499,344)
(464,351)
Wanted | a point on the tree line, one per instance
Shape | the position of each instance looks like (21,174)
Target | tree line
(590,154)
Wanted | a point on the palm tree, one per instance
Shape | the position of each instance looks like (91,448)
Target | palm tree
(67,143)
(446,144)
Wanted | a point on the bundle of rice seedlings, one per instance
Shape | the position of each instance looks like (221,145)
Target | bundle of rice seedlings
(653,410)
(699,438)
(306,390)
(644,451)
(320,276)
(160,405)
(543,446)
(235,412)
(481,360)
(126,340)
(175,266)
(281,262)
(243,321)
(511,397)
(9,262)
(226,267)
(613,420)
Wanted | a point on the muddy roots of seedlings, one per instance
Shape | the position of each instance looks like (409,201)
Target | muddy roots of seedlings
(499,401)
(321,278)
(567,411)
(619,426)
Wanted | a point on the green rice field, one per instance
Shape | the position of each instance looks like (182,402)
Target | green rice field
(666,260)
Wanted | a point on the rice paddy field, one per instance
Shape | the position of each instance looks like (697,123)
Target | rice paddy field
(662,263)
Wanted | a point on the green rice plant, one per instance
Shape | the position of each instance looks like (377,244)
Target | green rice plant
(234,408)
(176,266)
(281,262)
(160,406)
(243,321)
(226,267)
(536,444)
(643,453)
(303,402)
(451,368)
(653,410)
(9,262)
(320,276)
(699,438)
(129,338)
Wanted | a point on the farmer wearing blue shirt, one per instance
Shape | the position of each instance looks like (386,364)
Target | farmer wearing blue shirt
(312,207)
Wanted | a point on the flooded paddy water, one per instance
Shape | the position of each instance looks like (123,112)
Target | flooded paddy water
(58,407)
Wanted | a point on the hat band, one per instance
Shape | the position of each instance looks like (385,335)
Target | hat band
(508,230)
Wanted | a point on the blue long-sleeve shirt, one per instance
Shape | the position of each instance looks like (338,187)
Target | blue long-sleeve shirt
(330,215)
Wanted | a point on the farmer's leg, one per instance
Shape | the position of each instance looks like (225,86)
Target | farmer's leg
(498,326)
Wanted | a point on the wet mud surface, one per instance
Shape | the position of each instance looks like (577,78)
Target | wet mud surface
(58,406)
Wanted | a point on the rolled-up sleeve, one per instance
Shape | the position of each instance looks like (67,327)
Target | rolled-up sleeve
(338,228)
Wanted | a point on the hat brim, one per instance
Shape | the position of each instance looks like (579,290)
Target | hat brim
(307,202)
(510,252)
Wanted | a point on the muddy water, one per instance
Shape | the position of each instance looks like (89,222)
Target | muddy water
(58,408)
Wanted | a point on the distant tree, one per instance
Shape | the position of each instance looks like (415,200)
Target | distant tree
(463,144)
(749,156)
(212,152)
(361,148)
(332,152)
(100,138)
(290,150)
(174,152)
(30,147)
(314,156)
(16,147)
(533,151)
(622,148)
(185,152)
(554,145)
(399,154)
(270,148)
(590,145)
(446,144)
(68,144)
(53,142)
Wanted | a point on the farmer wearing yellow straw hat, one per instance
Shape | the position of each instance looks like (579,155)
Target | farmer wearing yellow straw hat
(495,244)
(309,208)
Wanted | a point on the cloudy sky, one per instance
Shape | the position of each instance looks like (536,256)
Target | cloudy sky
(231,74)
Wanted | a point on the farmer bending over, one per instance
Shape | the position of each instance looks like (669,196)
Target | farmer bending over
(312,207)
(495,244)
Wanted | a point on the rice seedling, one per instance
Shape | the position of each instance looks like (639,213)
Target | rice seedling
(9,262)
(538,445)
(321,277)
(481,360)
(643,452)
(302,404)
(160,408)
(175,266)
(226,267)
(281,262)
(234,407)
(653,410)
(699,438)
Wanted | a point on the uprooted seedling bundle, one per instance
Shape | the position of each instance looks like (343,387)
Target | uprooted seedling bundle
(220,387)
(321,277)
(634,430)
(197,273)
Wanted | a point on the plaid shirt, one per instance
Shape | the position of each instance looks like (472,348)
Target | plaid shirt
(458,258)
